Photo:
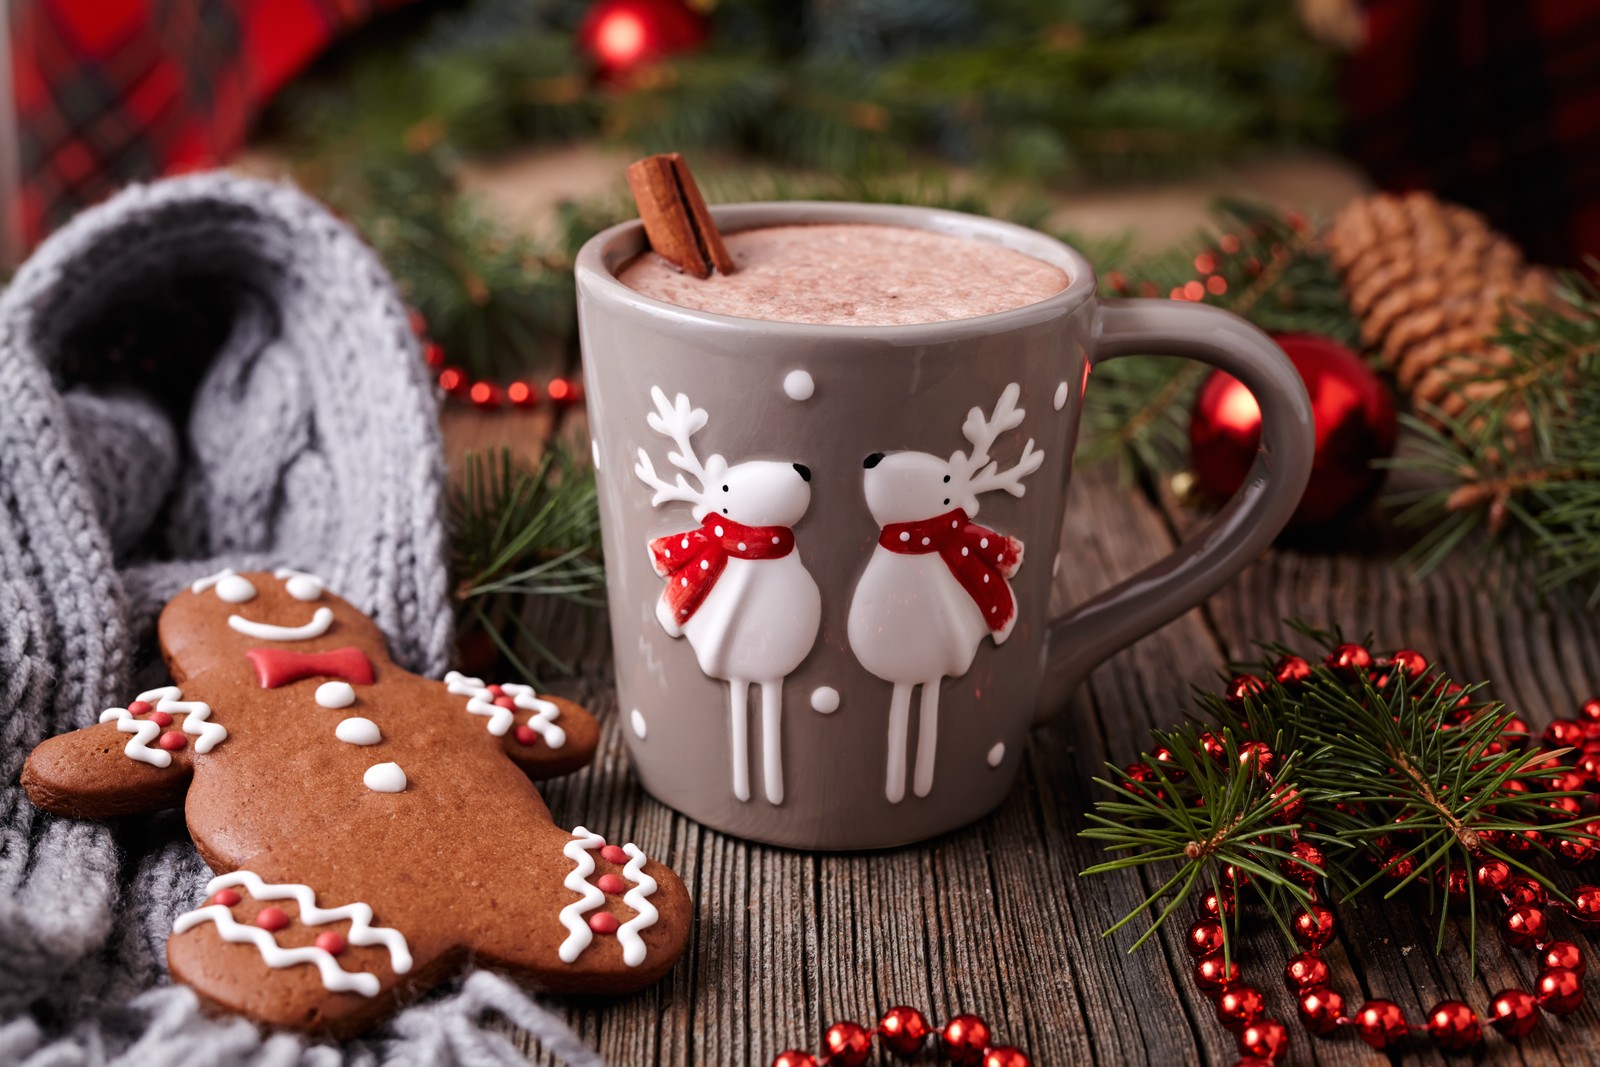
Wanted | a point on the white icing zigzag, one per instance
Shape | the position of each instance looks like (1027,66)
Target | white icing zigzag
(144,731)
(633,949)
(572,916)
(500,719)
(195,713)
(274,955)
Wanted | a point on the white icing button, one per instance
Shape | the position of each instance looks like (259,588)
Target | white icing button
(335,695)
(997,753)
(359,731)
(825,698)
(799,385)
(385,778)
(303,587)
(1061,396)
(235,589)
(637,718)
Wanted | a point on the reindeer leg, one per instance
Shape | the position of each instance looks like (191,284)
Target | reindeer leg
(927,737)
(899,714)
(772,740)
(738,727)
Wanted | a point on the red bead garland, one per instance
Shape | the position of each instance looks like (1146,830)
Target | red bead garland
(1453,1025)
(904,1032)
(483,394)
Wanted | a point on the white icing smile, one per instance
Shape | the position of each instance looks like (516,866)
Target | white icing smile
(263,631)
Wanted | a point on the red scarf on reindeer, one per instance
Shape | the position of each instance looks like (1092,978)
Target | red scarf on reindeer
(692,561)
(980,559)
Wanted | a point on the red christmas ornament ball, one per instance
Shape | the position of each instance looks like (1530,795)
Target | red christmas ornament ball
(1355,425)
(618,35)
(965,1038)
(1292,670)
(1380,1023)
(794,1057)
(904,1030)
(848,1044)
(1006,1056)
(1320,1009)
(1493,875)
(1560,991)
(1454,1026)
(1514,1012)
(1265,1039)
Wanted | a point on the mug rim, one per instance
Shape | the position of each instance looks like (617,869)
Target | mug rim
(601,253)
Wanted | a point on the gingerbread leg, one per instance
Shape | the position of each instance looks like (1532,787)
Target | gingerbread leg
(273,952)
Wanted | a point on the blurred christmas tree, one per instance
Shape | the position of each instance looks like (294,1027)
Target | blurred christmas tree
(855,93)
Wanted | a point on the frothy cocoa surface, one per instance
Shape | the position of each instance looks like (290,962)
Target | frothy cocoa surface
(858,274)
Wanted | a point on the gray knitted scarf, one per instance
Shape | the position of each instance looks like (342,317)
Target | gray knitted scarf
(199,373)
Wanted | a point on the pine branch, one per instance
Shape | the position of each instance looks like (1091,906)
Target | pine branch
(518,537)
(1393,773)
(1523,464)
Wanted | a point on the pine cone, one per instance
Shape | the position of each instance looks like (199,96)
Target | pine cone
(1430,282)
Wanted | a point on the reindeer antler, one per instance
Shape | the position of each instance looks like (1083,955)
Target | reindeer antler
(981,474)
(678,420)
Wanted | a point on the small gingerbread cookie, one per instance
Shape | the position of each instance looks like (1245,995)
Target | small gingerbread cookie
(370,829)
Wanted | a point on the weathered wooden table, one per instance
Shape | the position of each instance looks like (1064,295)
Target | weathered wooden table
(994,919)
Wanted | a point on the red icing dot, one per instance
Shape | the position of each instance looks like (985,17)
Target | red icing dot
(527,735)
(614,854)
(495,692)
(331,942)
(610,883)
(140,707)
(226,897)
(161,718)
(603,922)
(172,740)
(272,919)
(504,702)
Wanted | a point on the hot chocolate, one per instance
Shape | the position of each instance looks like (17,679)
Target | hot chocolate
(854,274)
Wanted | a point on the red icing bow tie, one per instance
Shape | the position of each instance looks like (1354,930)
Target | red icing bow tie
(692,561)
(275,666)
(980,559)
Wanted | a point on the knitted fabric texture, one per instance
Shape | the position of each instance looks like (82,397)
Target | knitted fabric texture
(199,373)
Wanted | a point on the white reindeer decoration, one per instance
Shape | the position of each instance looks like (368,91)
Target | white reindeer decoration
(937,582)
(735,586)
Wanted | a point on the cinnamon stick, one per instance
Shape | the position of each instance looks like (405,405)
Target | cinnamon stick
(675,216)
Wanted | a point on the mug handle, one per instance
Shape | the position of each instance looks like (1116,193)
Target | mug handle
(1232,539)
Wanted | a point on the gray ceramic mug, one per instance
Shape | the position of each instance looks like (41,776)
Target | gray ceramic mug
(829,549)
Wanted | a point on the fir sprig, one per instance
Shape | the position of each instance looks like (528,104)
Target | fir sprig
(1522,463)
(1397,775)
(518,536)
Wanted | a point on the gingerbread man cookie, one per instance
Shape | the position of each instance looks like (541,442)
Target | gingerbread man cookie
(370,829)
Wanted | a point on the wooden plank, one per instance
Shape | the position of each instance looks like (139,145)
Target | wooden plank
(992,918)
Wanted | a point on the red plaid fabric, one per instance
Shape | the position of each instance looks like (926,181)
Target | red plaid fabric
(111,91)
(1490,103)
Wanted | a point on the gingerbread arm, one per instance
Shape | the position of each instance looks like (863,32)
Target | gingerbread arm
(544,735)
(89,774)
(136,759)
